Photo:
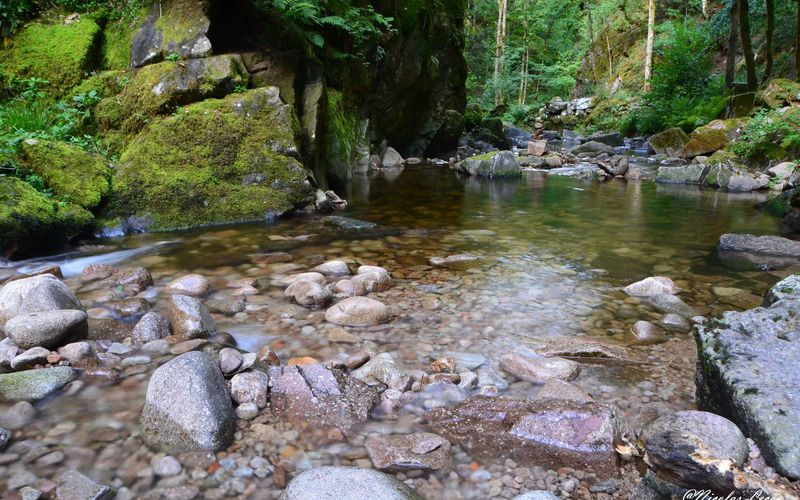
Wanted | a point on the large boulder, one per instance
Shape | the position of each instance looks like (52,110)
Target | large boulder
(316,396)
(711,138)
(780,92)
(550,433)
(33,385)
(495,164)
(35,294)
(173,27)
(758,252)
(160,88)
(746,371)
(324,483)
(669,142)
(29,220)
(218,161)
(683,174)
(81,177)
(48,329)
(187,407)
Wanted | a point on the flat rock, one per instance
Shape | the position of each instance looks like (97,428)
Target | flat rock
(672,304)
(746,372)
(646,333)
(189,318)
(458,262)
(358,311)
(72,485)
(421,451)
(325,483)
(332,268)
(587,350)
(36,294)
(33,385)
(654,285)
(193,285)
(561,389)
(30,358)
(762,251)
(187,407)
(539,370)
(549,433)
(47,328)
(348,223)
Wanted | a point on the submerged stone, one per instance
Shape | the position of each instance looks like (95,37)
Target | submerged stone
(322,483)
(33,385)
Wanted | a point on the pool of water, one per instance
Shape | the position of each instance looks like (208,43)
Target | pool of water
(554,254)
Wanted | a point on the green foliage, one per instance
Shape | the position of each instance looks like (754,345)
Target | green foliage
(172,57)
(13,14)
(770,135)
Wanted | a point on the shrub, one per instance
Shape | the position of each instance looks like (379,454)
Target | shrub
(770,135)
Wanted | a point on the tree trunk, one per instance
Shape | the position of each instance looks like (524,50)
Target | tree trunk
(590,25)
(770,39)
(523,81)
(733,42)
(704,8)
(502,6)
(747,45)
(797,46)
(648,56)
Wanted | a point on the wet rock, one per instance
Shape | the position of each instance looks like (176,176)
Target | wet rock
(246,411)
(672,304)
(33,385)
(18,416)
(313,395)
(490,165)
(654,285)
(332,268)
(187,407)
(373,278)
(357,311)
(47,328)
(397,453)
(250,387)
(380,369)
(8,351)
(30,358)
(37,294)
(192,285)
(560,389)
(695,449)
(685,174)
(189,318)
(488,376)
(341,335)
(78,354)
(109,329)
(350,287)
(537,148)
(444,365)
(770,246)
(646,333)
(5,438)
(349,224)
(229,360)
(460,262)
(267,356)
(392,159)
(308,293)
(152,326)
(226,307)
(94,272)
(539,370)
(746,372)
(322,483)
(593,148)
(175,27)
(132,279)
(167,466)
(549,433)
(670,142)
(588,349)
(314,277)
(536,495)
(674,323)
(72,485)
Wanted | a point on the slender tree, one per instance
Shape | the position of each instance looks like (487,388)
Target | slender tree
(704,8)
(797,45)
(770,4)
(523,81)
(648,56)
(733,42)
(747,45)
(502,10)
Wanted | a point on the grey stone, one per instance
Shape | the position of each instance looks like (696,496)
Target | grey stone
(672,304)
(30,358)
(18,416)
(536,495)
(189,318)
(669,142)
(152,326)
(247,411)
(36,294)
(186,36)
(646,333)
(760,245)
(78,353)
(250,387)
(421,451)
(561,389)
(308,293)
(324,483)
(47,328)
(357,311)
(654,285)
(193,285)
(593,148)
(380,369)
(33,385)
(539,370)
(187,407)
(674,323)
(685,174)
(332,268)
(72,485)
(491,165)
(167,466)
(230,360)
(5,438)
(392,159)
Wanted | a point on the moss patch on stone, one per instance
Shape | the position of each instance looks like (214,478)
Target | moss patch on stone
(72,173)
(216,161)
(117,40)
(343,134)
(30,221)
(59,53)
(780,92)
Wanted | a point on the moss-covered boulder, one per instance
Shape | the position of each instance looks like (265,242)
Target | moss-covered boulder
(172,27)
(779,93)
(72,173)
(60,53)
(216,161)
(118,37)
(346,147)
(711,138)
(160,88)
(495,164)
(31,221)
(669,142)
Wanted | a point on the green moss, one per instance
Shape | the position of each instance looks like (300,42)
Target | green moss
(71,172)
(779,92)
(216,161)
(343,133)
(118,39)
(181,21)
(723,157)
(61,54)
(30,221)
(485,156)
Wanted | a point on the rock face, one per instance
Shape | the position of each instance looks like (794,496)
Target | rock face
(550,433)
(695,449)
(47,329)
(744,372)
(238,154)
(357,311)
(173,27)
(33,385)
(539,370)
(422,451)
(37,294)
(492,165)
(669,142)
(188,407)
(323,483)
(189,318)
(313,395)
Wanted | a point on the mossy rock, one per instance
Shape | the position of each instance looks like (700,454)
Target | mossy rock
(172,27)
(669,142)
(779,93)
(345,138)
(494,164)
(72,173)
(118,39)
(62,54)
(160,88)
(30,221)
(711,138)
(218,161)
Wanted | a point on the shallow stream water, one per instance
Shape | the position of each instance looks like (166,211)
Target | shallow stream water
(554,255)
